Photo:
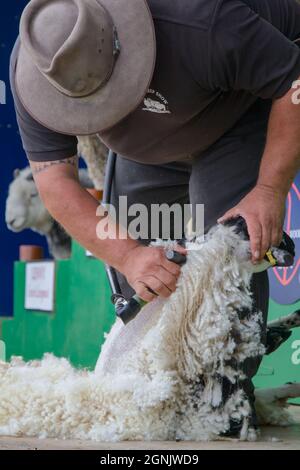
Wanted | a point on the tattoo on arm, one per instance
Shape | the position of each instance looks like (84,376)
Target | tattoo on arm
(39,167)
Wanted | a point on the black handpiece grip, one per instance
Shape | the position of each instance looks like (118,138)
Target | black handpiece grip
(176,257)
(129,310)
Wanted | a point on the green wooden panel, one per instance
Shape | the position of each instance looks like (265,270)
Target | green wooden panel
(83,313)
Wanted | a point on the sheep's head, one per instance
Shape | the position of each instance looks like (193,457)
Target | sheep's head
(24,207)
(282,255)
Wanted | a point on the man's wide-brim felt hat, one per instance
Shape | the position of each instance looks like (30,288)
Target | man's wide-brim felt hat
(84,65)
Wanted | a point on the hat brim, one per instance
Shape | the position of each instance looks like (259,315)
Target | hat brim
(121,95)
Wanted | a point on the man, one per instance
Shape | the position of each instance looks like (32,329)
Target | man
(195,98)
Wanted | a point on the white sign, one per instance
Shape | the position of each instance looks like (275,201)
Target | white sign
(2,92)
(2,351)
(39,286)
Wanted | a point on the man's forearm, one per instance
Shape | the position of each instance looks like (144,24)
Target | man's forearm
(75,209)
(281,159)
(78,216)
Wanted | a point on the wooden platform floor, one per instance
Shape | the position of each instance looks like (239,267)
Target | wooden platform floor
(271,438)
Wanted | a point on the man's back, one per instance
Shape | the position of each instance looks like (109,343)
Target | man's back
(215,59)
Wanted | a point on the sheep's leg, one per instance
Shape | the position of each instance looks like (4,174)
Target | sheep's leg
(283,393)
(279,330)
(289,321)
(59,242)
(271,404)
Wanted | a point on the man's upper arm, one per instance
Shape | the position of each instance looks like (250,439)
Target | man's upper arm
(40,144)
(249,53)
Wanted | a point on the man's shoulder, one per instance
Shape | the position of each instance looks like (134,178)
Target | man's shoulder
(203,14)
(194,13)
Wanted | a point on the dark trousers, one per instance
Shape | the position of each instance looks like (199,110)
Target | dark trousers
(218,178)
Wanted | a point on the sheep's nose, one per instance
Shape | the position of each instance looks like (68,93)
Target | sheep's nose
(11,222)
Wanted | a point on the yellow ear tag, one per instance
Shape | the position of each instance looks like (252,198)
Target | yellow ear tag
(271,258)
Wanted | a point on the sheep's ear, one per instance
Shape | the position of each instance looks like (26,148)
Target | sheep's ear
(29,177)
(16,173)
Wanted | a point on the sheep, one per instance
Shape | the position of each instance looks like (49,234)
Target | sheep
(25,209)
(94,153)
(158,378)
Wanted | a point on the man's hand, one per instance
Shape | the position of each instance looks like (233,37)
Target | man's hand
(150,273)
(263,209)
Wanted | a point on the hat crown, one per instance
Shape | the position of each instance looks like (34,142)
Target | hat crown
(71,42)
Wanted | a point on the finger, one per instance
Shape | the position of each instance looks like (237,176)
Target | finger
(168,279)
(231,214)
(277,237)
(142,291)
(180,249)
(172,268)
(157,286)
(159,259)
(255,234)
(266,238)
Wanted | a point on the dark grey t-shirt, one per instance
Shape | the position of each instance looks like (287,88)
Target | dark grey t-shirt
(215,58)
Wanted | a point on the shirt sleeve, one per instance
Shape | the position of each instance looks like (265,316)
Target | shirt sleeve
(248,53)
(40,143)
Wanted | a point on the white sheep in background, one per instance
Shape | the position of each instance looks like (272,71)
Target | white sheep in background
(94,153)
(146,384)
(25,210)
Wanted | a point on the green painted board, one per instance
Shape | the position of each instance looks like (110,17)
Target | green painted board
(82,315)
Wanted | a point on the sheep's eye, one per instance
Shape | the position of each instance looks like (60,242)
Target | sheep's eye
(33,195)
